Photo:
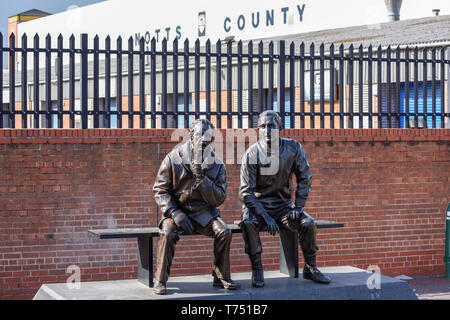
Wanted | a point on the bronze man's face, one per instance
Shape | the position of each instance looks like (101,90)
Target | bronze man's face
(202,137)
(265,125)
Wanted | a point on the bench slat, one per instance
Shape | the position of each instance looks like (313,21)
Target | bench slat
(153,232)
(124,233)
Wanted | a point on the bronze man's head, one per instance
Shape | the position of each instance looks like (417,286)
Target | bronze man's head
(202,134)
(268,121)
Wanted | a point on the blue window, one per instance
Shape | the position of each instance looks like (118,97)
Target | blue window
(420,97)
(287,107)
(180,110)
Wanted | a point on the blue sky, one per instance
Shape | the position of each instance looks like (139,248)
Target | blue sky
(12,7)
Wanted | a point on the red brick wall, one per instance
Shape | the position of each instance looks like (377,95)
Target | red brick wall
(389,186)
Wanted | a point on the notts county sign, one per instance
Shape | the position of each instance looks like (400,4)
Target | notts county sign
(200,19)
(239,24)
(265,18)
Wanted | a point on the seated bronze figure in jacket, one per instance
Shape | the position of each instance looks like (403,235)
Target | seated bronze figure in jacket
(265,191)
(190,185)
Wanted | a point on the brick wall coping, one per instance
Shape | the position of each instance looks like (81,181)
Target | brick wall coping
(8,136)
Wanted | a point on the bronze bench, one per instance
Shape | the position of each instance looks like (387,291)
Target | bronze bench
(288,246)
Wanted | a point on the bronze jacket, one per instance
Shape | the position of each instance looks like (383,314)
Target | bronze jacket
(174,186)
(270,193)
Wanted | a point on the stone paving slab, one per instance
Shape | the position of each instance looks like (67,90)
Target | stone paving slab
(431,287)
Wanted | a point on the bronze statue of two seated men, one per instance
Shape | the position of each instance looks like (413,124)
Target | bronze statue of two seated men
(191,185)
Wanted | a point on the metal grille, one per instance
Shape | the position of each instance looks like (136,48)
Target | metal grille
(89,87)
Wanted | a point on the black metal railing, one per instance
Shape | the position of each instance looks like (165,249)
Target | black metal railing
(327,88)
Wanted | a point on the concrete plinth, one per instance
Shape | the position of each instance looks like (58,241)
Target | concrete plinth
(348,283)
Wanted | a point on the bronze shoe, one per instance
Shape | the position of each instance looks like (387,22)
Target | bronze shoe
(258,278)
(225,283)
(314,274)
(257,271)
(160,288)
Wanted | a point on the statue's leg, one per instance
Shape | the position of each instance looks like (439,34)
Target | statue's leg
(250,231)
(250,226)
(307,230)
(219,231)
(288,242)
(168,237)
(307,238)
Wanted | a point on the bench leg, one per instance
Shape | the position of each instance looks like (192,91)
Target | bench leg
(145,260)
(289,253)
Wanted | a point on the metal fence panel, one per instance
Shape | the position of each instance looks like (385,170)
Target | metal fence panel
(230,84)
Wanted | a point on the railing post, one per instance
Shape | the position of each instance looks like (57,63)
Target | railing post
(96,83)
(260,78)
(292,85)
(164,84)
(342,88)
(186,92)
(48,79)
(360,88)
(416,87)
(142,82)
(447,242)
(229,85)
(433,87)
(1,80)
(60,82)
(332,85)
(312,100)
(12,80)
(322,85)
(24,81)
(175,82)
(424,88)
(72,81)
(119,82)
(250,83)
(442,86)
(130,78)
(239,85)
(443,119)
(407,93)
(219,83)
(351,87)
(302,85)
(36,81)
(270,90)
(281,79)
(84,81)
(208,79)
(197,79)
(380,87)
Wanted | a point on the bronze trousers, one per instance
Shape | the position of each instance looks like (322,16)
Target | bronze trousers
(305,226)
(169,236)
